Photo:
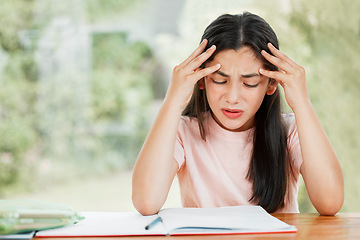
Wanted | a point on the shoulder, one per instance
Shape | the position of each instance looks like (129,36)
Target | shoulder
(188,127)
(289,118)
(188,122)
(293,140)
(290,122)
(292,131)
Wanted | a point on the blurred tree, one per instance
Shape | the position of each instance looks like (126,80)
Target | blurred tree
(131,65)
(42,106)
(17,90)
(99,10)
(96,86)
(122,91)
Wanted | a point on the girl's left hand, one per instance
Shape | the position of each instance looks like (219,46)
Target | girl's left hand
(291,77)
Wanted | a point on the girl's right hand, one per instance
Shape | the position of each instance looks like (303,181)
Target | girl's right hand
(187,74)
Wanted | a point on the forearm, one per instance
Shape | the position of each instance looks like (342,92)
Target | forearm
(320,169)
(155,168)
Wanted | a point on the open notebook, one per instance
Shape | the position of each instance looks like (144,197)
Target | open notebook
(175,221)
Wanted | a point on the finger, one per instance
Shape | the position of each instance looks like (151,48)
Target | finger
(277,62)
(281,55)
(278,76)
(205,71)
(196,63)
(194,54)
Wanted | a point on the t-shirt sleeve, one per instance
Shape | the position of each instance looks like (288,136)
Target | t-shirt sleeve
(179,153)
(294,143)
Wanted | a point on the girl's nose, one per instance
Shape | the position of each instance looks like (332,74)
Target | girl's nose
(233,94)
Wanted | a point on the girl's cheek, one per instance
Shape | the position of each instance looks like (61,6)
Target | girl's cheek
(216,89)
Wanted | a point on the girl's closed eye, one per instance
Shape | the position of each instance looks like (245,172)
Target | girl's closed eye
(218,81)
(251,85)
(251,80)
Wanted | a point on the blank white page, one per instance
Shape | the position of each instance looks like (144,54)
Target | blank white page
(107,224)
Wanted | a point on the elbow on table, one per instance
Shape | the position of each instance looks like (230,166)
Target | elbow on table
(330,206)
(145,206)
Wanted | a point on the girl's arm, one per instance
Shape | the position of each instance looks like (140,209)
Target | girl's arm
(155,167)
(321,170)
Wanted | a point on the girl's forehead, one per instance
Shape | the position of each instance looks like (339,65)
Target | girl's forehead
(243,58)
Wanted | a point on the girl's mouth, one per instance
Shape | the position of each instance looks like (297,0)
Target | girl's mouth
(232,113)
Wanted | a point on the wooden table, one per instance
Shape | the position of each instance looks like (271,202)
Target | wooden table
(309,225)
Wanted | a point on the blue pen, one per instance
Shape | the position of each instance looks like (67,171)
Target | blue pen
(153,223)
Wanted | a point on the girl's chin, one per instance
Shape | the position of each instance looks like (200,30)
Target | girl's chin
(232,128)
(230,125)
(233,125)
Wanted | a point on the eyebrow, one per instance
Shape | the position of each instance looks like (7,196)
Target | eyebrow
(244,75)
(250,75)
(222,73)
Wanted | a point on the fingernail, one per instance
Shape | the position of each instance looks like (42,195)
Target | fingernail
(261,70)
(212,47)
(263,52)
(203,41)
(218,65)
(270,44)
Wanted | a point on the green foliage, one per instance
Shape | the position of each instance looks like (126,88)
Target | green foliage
(99,9)
(17,136)
(14,16)
(121,78)
(49,121)
(17,92)
(122,90)
(17,124)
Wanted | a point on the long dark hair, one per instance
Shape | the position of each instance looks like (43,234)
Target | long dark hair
(269,169)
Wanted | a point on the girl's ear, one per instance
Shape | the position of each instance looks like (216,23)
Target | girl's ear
(272,87)
(201,84)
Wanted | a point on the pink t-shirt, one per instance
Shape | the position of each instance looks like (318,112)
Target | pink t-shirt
(212,173)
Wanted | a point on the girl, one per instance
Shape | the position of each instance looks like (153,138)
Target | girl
(220,129)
